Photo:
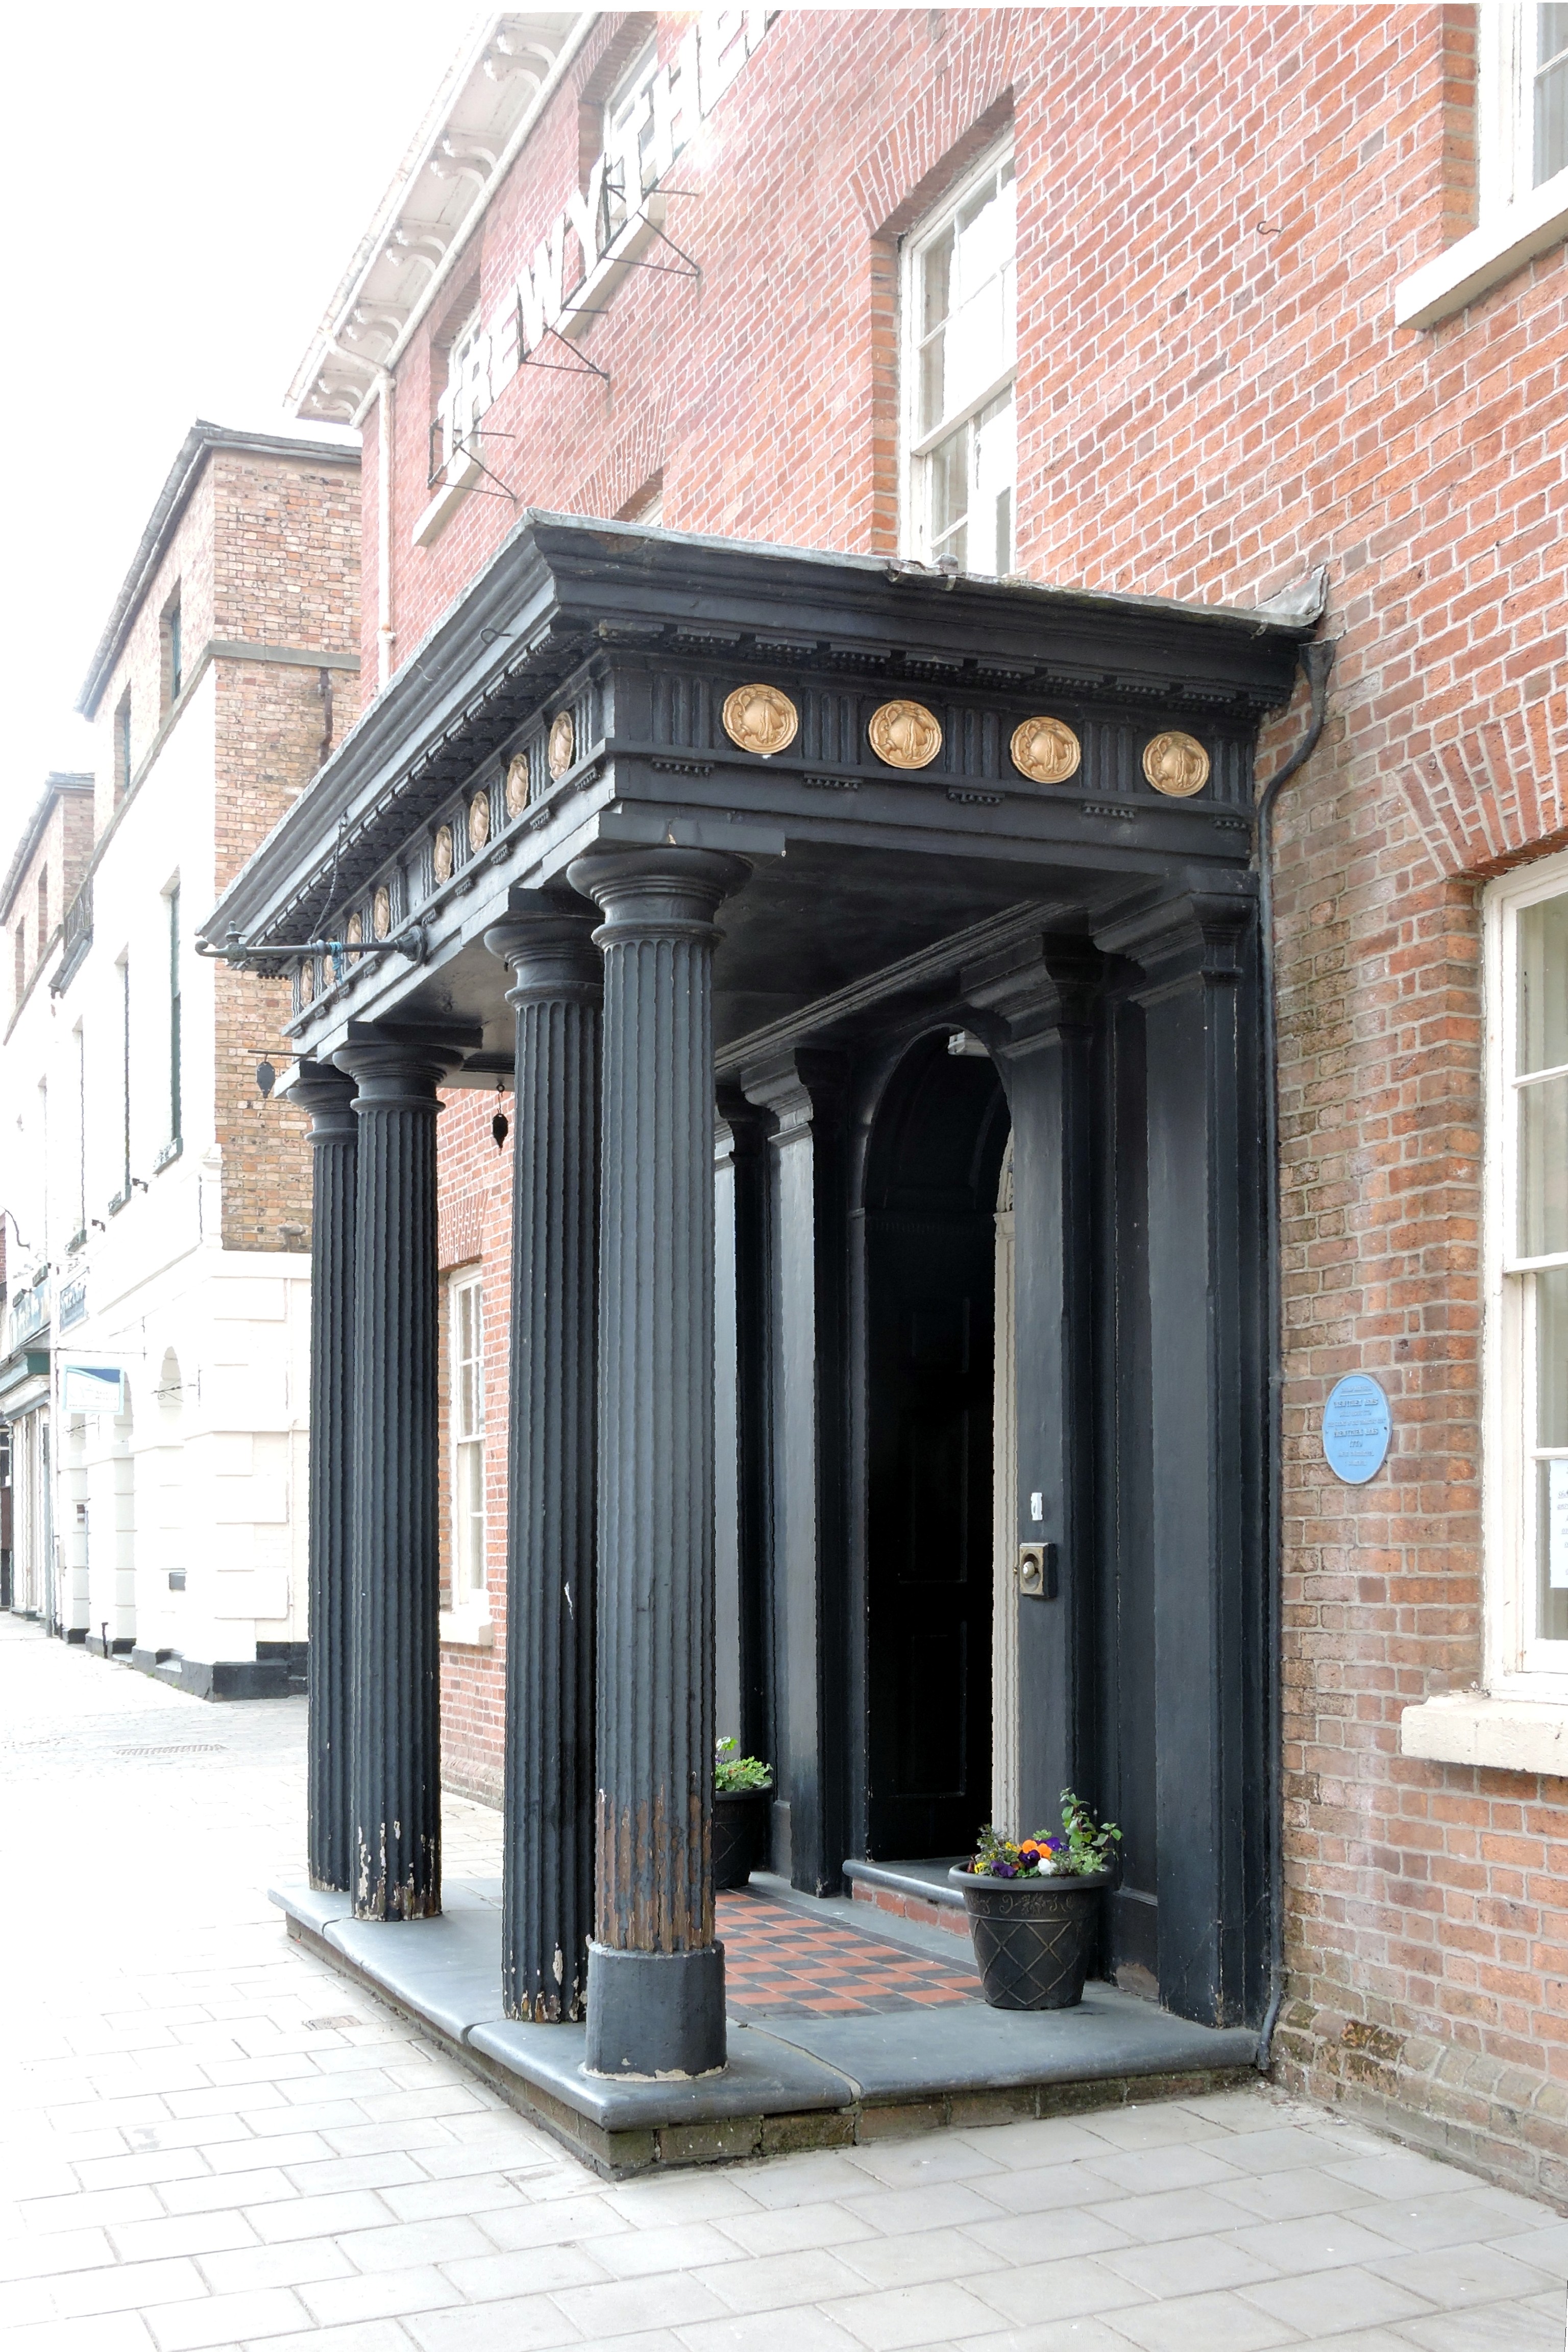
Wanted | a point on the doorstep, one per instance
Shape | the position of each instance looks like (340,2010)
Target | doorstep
(911,1890)
(869,2070)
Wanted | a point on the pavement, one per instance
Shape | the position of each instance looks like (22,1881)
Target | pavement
(209,2140)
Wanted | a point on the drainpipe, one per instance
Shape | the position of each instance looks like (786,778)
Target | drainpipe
(386,633)
(1318,660)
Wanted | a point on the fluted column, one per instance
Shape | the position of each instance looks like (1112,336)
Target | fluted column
(547,1903)
(328,1095)
(655,1976)
(394,1774)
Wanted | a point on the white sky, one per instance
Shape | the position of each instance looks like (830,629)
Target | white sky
(183,186)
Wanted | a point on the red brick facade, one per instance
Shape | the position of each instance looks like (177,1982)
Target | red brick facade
(1216,206)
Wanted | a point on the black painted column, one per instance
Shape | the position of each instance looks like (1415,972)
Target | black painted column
(1041,1001)
(1209,1397)
(396,1725)
(745,1675)
(655,1976)
(547,1904)
(328,1096)
(804,1090)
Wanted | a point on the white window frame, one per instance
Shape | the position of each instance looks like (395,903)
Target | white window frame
(916,446)
(471,1592)
(1517,219)
(1516,1662)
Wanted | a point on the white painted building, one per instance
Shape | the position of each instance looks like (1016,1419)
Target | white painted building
(172,1197)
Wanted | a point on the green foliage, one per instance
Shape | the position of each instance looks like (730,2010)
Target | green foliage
(732,1773)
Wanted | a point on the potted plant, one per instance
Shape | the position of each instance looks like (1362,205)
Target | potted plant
(1033,1908)
(743,1795)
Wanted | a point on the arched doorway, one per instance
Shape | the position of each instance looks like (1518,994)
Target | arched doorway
(932,1174)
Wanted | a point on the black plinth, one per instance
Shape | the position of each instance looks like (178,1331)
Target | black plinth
(656,1983)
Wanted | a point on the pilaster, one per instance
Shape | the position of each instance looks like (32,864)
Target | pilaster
(1209,1394)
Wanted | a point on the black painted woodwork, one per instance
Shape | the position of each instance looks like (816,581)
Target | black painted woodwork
(931,1201)
(744,1678)
(328,1095)
(655,1986)
(1096,937)
(547,1902)
(1207,1386)
(1039,1000)
(804,1094)
(396,1735)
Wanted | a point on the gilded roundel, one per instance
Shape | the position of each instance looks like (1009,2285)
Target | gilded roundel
(353,929)
(1046,751)
(517,783)
(1176,764)
(307,980)
(441,854)
(381,911)
(562,748)
(760,718)
(905,734)
(478,821)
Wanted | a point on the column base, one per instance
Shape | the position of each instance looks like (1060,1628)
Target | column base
(654,2017)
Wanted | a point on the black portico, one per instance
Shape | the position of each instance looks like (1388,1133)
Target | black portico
(857,1000)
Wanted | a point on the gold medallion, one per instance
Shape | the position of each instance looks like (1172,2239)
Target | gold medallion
(306,981)
(517,783)
(353,929)
(562,746)
(381,911)
(760,718)
(1176,764)
(1046,751)
(441,854)
(905,734)
(478,821)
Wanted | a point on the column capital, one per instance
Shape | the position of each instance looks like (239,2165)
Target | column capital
(328,1094)
(1034,990)
(546,941)
(660,892)
(1187,935)
(800,1085)
(399,1069)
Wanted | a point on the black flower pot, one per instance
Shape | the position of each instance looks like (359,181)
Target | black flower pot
(1034,1938)
(740,1835)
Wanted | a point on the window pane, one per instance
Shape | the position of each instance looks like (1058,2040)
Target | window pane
(991,501)
(1550,1302)
(1551,1546)
(936,278)
(1544,1168)
(1543,986)
(947,474)
(933,381)
(1552,115)
(468,1514)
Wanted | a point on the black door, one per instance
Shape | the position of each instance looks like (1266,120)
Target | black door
(930,1268)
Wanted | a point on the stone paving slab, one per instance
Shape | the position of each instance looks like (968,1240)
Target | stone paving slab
(210,2141)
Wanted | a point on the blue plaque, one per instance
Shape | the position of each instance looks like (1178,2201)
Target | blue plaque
(1356,1428)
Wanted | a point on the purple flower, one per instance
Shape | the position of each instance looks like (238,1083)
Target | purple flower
(1056,1845)
(1004,1870)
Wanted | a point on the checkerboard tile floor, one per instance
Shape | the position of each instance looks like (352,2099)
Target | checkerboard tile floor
(779,1962)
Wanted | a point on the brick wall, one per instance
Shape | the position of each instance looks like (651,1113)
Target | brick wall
(475,1182)
(1215,206)
(265,554)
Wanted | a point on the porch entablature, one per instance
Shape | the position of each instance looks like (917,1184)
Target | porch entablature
(865,731)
